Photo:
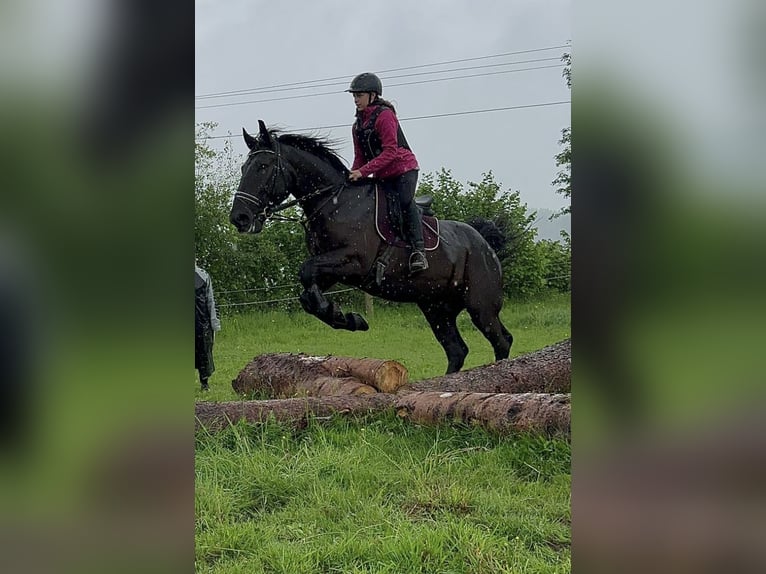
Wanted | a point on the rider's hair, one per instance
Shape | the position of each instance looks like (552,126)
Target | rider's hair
(379,100)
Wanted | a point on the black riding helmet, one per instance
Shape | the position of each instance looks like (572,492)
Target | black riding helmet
(366,82)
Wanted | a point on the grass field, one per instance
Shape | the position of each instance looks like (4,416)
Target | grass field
(377,494)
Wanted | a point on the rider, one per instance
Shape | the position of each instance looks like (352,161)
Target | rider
(380,148)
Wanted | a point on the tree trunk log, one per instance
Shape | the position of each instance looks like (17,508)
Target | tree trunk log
(527,412)
(284,375)
(548,370)
(518,395)
(503,413)
(216,416)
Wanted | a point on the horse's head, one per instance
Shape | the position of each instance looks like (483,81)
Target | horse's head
(263,185)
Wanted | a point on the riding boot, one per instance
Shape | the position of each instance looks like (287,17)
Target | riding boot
(418,261)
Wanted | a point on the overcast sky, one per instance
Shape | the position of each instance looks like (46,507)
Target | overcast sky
(247,44)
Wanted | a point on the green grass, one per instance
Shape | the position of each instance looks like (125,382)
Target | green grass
(376,493)
(380,495)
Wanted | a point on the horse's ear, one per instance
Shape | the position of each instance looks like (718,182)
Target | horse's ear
(249,140)
(264,133)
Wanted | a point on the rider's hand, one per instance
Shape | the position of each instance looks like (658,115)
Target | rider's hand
(354,175)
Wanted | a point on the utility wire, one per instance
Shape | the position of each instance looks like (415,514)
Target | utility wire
(345,83)
(467,112)
(282,98)
(232,92)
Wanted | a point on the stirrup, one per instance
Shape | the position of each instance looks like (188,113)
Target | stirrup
(418,261)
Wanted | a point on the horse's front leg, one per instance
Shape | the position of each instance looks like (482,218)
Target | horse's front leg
(319,274)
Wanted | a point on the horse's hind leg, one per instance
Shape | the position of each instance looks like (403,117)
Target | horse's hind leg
(486,316)
(442,319)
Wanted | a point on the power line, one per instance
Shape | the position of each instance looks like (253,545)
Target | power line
(478,75)
(463,113)
(345,83)
(282,98)
(232,92)
(468,112)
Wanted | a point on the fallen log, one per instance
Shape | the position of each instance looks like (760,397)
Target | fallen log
(503,413)
(548,370)
(522,394)
(284,375)
(216,416)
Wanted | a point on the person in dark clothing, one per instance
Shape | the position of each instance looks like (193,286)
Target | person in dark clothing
(206,323)
(380,149)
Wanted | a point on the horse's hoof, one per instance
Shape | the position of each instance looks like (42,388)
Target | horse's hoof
(357,322)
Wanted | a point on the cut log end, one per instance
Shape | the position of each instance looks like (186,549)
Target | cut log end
(390,377)
(385,375)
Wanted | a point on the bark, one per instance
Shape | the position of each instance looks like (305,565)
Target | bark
(216,416)
(503,413)
(548,370)
(284,375)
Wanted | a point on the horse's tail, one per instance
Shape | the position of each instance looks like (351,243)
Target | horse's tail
(490,232)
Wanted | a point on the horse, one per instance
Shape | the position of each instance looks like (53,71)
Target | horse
(345,246)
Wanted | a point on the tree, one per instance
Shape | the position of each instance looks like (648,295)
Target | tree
(563,181)
(523,270)
(446,192)
(237,261)
(559,255)
(215,240)
(558,262)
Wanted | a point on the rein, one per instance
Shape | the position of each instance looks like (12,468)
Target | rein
(315,193)
(272,212)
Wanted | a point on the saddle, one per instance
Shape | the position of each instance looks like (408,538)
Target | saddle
(388,232)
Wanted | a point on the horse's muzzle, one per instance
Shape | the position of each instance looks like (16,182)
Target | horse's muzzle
(256,225)
(245,223)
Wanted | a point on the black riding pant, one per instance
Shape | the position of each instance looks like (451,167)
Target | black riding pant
(401,192)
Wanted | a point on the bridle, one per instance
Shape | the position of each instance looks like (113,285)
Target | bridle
(268,210)
(265,209)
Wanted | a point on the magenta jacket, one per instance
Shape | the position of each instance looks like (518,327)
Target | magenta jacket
(393,160)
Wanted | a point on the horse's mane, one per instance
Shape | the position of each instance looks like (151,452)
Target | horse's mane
(323,148)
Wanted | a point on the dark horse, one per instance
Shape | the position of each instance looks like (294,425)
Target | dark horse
(339,219)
